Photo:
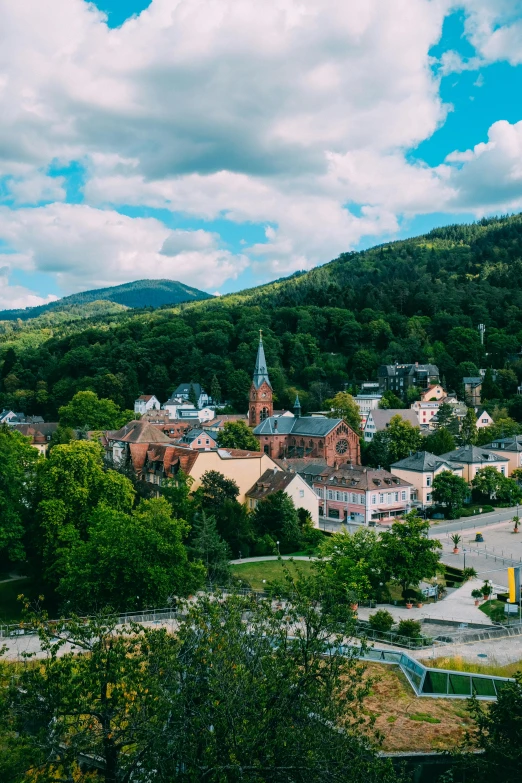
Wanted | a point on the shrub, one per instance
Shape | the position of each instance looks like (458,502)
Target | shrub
(498,614)
(476,594)
(468,573)
(381,621)
(410,594)
(409,628)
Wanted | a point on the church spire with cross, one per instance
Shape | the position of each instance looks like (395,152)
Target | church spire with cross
(261,404)
(261,371)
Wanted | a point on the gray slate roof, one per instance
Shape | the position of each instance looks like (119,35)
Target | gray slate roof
(423,461)
(473,455)
(506,444)
(308,426)
(184,388)
(382,418)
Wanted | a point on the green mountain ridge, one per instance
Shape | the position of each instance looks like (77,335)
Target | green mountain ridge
(138,294)
(418,299)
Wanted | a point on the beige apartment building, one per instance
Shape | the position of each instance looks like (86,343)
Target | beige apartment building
(473,458)
(511,448)
(419,470)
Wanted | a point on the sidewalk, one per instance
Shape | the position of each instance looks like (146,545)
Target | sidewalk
(458,606)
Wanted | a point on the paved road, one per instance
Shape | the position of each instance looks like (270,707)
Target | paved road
(263,558)
(467,523)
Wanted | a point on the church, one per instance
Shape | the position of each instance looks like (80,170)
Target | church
(314,437)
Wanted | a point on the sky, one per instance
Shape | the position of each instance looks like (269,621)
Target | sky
(226,143)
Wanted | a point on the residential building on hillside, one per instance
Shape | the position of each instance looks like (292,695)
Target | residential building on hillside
(199,439)
(472,390)
(380,420)
(367,403)
(123,444)
(40,434)
(511,448)
(473,458)
(425,412)
(159,462)
(420,469)
(178,408)
(145,403)
(12,417)
(275,480)
(399,378)
(184,392)
(433,393)
(352,493)
(297,436)
(220,419)
(484,419)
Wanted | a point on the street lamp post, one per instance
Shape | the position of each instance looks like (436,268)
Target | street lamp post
(278,552)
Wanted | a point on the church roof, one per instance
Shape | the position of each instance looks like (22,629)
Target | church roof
(308,426)
(261,371)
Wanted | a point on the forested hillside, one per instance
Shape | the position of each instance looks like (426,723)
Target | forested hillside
(415,300)
(140,293)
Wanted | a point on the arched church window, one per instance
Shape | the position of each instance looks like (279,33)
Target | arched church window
(253,415)
(264,414)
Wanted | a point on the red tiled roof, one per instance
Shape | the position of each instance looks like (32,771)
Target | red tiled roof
(140,432)
(271,481)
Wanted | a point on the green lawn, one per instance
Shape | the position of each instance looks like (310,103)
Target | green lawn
(270,570)
(489,606)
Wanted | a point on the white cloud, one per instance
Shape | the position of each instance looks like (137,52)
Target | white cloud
(13,297)
(80,244)
(489,176)
(216,107)
(494,27)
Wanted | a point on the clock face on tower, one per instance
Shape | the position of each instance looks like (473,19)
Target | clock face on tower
(263,394)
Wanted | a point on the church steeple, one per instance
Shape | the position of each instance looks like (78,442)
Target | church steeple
(260,371)
(297,407)
(261,403)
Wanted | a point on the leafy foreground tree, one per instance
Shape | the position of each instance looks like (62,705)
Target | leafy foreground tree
(276,516)
(352,566)
(17,464)
(210,548)
(450,490)
(343,406)
(87,411)
(237,692)
(131,560)
(396,442)
(409,555)
(496,731)
(237,435)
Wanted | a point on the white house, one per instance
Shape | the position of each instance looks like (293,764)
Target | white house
(275,480)
(184,391)
(425,411)
(367,403)
(146,403)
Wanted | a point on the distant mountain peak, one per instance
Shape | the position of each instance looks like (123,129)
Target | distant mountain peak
(140,293)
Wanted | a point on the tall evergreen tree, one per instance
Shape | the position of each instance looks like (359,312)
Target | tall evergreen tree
(215,390)
(468,430)
(210,548)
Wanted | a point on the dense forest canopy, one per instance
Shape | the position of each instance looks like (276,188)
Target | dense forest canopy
(419,299)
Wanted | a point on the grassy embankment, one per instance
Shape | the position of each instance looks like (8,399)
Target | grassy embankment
(268,570)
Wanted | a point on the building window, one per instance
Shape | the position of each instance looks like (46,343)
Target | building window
(319,491)
(381,498)
(330,495)
(503,471)
(403,496)
(301,493)
(374,499)
(396,497)
(428,498)
(333,513)
(428,481)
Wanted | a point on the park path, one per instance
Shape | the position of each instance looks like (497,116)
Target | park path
(263,558)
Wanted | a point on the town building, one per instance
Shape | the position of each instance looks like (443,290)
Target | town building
(160,462)
(484,419)
(472,389)
(398,378)
(276,480)
(434,393)
(297,436)
(420,469)
(473,458)
(186,390)
(352,493)
(380,420)
(39,434)
(511,448)
(179,408)
(199,439)
(132,440)
(367,403)
(145,403)
(426,412)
